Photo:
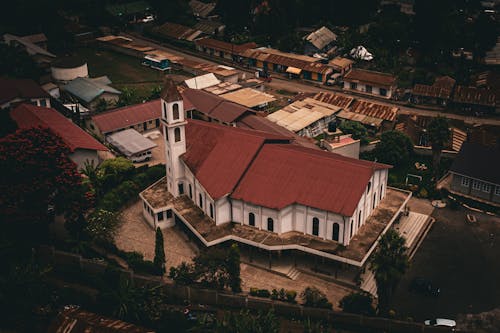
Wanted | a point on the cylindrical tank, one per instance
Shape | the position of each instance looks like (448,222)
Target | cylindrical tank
(69,68)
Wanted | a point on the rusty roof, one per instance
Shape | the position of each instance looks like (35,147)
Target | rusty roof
(76,320)
(334,99)
(201,9)
(470,95)
(445,82)
(374,110)
(370,77)
(340,63)
(287,59)
(224,46)
(177,31)
(431,91)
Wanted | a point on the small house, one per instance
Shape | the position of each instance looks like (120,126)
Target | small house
(370,82)
(132,144)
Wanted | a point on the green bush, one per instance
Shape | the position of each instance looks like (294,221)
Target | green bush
(183,274)
(274,295)
(313,297)
(290,296)
(359,303)
(260,292)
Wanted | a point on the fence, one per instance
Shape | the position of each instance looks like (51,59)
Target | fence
(64,261)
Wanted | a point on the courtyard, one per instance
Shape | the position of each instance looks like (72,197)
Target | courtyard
(136,235)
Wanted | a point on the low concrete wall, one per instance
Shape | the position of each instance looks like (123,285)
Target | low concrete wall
(68,262)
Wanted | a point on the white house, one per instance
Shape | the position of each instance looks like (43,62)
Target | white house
(258,180)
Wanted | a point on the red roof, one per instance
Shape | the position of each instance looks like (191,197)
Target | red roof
(282,175)
(370,77)
(215,106)
(219,155)
(22,88)
(27,116)
(127,116)
(268,170)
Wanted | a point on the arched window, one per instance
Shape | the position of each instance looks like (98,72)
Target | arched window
(315,226)
(211,211)
(175,111)
(177,134)
(270,224)
(335,234)
(251,219)
(200,198)
(368,187)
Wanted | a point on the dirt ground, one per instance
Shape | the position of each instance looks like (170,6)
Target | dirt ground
(461,259)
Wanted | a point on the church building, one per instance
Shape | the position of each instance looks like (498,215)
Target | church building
(226,183)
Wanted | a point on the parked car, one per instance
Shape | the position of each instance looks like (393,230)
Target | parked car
(441,322)
(424,286)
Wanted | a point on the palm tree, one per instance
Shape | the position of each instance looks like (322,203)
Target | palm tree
(439,134)
(388,264)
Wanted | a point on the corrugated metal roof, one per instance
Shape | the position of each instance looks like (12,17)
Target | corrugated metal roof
(31,47)
(282,175)
(470,95)
(87,89)
(321,37)
(127,116)
(27,116)
(177,31)
(224,46)
(375,78)
(23,88)
(219,155)
(201,9)
(202,81)
(334,99)
(478,161)
(361,118)
(375,110)
(130,142)
(249,97)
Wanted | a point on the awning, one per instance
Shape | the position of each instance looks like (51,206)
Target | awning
(294,70)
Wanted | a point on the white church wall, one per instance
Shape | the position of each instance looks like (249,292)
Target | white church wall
(223,210)
(286,219)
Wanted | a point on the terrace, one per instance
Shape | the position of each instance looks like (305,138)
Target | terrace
(210,234)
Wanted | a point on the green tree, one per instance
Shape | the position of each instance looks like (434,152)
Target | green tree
(388,264)
(359,303)
(102,105)
(129,96)
(313,297)
(394,148)
(102,226)
(439,135)
(233,267)
(244,322)
(16,63)
(159,259)
(358,131)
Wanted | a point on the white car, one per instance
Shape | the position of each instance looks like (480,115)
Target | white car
(149,18)
(440,322)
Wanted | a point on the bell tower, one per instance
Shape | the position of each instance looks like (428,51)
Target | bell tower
(174,133)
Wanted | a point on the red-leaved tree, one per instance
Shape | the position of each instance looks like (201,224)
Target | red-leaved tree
(36,172)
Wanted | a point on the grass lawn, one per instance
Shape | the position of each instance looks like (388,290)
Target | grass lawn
(120,68)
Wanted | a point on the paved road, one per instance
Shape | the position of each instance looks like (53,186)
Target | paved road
(299,86)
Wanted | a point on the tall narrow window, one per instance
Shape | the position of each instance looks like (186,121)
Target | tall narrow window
(374,200)
(335,233)
(359,219)
(211,211)
(175,111)
(164,110)
(177,134)
(160,216)
(352,225)
(251,219)
(270,224)
(190,191)
(181,188)
(315,226)
(200,198)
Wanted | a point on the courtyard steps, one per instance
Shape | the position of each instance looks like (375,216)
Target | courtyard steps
(293,273)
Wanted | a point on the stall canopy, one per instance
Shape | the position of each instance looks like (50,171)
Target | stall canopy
(293,70)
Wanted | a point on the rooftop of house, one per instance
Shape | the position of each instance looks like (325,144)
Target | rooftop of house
(475,96)
(340,63)
(201,9)
(127,116)
(375,110)
(300,114)
(130,142)
(355,253)
(178,31)
(208,26)
(321,37)
(202,81)
(441,88)
(88,89)
(341,101)
(224,46)
(125,42)
(31,47)
(36,38)
(11,89)
(370,77)
(215,106)
(477,161)
(223,88)
(76,320)
(27,116)
(249,97)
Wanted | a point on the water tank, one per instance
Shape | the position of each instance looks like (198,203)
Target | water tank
(69,68)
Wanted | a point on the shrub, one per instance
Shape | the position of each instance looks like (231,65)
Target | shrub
(423,193)
(260,292)
(290,296)
(274,295)
(359,303)
(183,274)
(313,297)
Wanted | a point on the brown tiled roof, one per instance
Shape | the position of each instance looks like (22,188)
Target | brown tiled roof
(431,91)
(127,116)
(334,99)
(224,46)
(177,31)
(470,95)
(445,82)
(370,77)
(374,110)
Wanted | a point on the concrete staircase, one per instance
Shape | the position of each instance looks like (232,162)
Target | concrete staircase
(293,273)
